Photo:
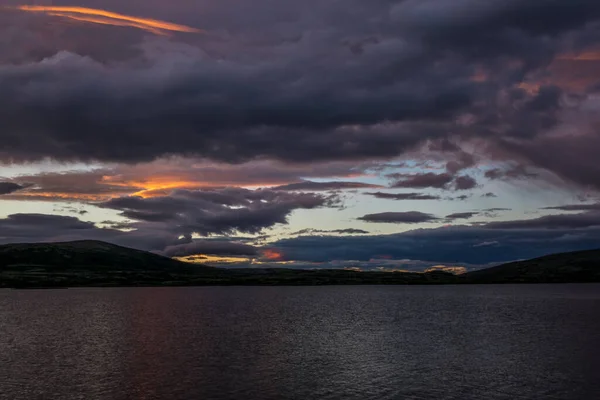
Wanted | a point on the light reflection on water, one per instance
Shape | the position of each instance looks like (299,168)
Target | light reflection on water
(366,342)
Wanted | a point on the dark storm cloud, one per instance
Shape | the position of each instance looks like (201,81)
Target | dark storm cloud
(158,222)
(363,81)
(456,245)
(571,157)
(217,211)
(298,82)
(495,27)
(324,186)
(408,217)
(464,182)
(9,187)
(404,196)
(171,220)
(253,112)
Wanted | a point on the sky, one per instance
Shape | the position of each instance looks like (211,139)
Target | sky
(382,134)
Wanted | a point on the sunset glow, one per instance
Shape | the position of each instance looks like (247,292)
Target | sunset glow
(103,17)
(272,255)
(108,21)
(209,259)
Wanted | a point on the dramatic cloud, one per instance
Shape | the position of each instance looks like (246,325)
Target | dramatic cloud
(103,17)
(493,99)
(162,176)
(234,130)
(408,217)
(393,87)
(369,81)
(217,211)
(75,185)
(404,196)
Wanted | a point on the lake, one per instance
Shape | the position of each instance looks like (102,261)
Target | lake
(337,342)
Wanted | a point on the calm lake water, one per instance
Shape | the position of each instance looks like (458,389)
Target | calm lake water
(338,342)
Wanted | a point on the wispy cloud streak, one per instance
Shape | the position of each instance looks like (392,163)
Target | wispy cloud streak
(104,17)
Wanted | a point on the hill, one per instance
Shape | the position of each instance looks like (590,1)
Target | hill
(83,253)
(85,263)
(578,266)
(93,263)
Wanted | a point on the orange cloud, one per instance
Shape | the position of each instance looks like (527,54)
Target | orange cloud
(103,17)
(272,255)
(59,187)
(159,186)
(160,177)
(107,21)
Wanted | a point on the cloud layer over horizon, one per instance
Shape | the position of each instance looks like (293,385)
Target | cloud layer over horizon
(373,125)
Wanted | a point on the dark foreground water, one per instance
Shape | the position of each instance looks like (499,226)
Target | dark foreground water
(450,342)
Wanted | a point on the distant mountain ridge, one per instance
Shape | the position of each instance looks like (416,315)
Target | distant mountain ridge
(94,263)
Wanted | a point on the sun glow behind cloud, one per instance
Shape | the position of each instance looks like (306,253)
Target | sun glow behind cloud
(272,255)
(104,17)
